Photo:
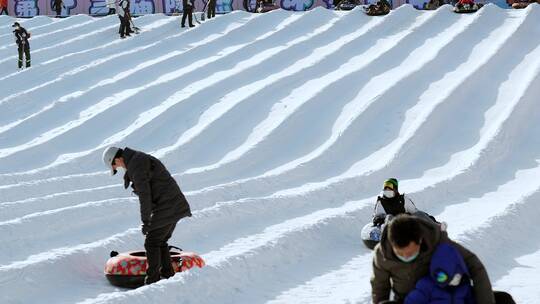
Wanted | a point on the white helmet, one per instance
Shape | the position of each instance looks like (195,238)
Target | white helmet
(108,157)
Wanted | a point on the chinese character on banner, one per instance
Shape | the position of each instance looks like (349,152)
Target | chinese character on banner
(26,8)
(98,7)
(172,7)
(297,5)
(142,7)
(224,6)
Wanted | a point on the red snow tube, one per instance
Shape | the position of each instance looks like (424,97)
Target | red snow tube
(129,269)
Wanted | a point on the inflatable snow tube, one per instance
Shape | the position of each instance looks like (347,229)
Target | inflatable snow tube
(128,269)
(371,235)
(467,9)
(267,8)
(346,6)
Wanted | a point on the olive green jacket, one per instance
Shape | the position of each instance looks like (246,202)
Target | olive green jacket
(389,273)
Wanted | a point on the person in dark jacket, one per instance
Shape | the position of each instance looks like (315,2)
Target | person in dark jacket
(162,204)
(23,45)
(391,203)
(188,12)
(211,10)
(124,15)
(448,280)
(57,7)
(403,257)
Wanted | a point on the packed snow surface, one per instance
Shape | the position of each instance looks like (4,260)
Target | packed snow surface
(280,129)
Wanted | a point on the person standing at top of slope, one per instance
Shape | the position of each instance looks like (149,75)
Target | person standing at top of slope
(404,255)
(188,12)
(124,15)
(111,4)
(211,10)
(21,38)
(57,7)
(162,204)
(3,7)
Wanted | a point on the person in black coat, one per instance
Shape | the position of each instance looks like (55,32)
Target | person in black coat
(162,204)
(188,12)
(57,7)
(23,45)
(211,10)
(124,15)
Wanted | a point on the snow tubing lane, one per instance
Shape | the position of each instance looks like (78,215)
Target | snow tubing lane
(128,269)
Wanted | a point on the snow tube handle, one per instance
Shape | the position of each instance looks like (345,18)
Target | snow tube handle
(113,253)
(171,247)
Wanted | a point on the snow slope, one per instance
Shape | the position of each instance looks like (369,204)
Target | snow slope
(280,129)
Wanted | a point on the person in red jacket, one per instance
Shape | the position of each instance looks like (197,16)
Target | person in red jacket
(3,7)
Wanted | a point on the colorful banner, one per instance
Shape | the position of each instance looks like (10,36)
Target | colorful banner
(30,8)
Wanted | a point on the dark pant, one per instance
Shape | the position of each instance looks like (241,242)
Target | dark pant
(24,49)
(211,11)
(188,12)
(4,10)
(125,27)
(158,255)
(58,12)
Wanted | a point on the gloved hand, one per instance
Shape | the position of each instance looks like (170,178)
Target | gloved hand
(144,229)
(378,219)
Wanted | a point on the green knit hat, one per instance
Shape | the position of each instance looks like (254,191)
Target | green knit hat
(391,183)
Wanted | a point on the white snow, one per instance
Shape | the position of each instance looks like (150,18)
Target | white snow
(280,129)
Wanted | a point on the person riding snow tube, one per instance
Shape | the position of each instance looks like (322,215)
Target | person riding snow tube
(129,269)
(264,6)
(523,3)
(382,7)
(432,5)
(466,6)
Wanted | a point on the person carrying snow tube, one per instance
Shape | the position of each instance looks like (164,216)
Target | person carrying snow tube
(162,204)
(23,45)
(404,255)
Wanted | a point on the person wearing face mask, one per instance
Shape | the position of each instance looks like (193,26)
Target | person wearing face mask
(162,204)
(391,202)
(403,256)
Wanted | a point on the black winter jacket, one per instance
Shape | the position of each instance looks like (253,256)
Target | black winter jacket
(162,202)
(21,36)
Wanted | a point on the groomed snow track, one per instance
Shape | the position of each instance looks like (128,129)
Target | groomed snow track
(280,129)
